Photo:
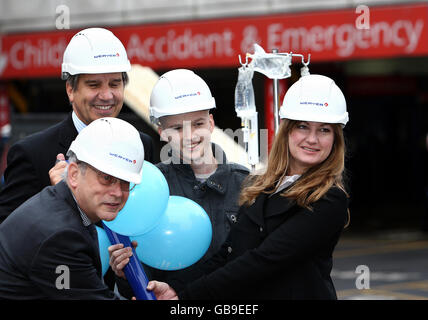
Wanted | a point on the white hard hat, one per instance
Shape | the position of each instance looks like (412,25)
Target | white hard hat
(112,146)
(315,98)
(94,50)
(179,91)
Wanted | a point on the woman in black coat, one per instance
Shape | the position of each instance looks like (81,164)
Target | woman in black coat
(291,217)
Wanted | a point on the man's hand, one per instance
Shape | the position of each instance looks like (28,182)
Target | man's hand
(162,290)
(119,257)
(55,173)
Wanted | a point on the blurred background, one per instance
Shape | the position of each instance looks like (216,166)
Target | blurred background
(377,54)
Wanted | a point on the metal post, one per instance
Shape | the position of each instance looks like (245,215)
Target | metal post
(276,100)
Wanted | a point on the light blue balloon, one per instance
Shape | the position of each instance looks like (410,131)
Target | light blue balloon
(181,238)
(103,243)
(146,204)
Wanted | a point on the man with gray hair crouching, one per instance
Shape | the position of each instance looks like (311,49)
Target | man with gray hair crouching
(48,245)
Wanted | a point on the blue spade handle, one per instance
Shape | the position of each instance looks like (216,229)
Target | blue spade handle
(133,270)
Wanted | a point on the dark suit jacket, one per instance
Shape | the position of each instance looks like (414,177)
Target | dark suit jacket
(30,159)
(276,250)
(46,232)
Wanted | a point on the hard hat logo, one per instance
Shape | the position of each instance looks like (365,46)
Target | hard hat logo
(121,157)
(188,95)
(107,56)
(314,103)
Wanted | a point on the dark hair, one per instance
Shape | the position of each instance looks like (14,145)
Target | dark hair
(73,79)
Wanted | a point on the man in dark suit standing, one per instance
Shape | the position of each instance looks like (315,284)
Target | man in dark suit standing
(94,67)
(48,246)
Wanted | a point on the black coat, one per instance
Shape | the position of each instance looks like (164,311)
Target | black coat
(44,233)
(276,250)
(30,159)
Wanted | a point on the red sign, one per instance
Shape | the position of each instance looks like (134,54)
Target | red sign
(329,35)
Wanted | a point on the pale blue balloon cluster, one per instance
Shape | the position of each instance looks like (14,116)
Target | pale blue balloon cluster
(172,232)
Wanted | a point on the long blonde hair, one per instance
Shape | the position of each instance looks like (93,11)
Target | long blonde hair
(312,185)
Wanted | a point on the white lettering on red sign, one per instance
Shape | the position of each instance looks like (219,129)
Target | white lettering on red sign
(327,36)
(24,54)
(180,46)
(346,38)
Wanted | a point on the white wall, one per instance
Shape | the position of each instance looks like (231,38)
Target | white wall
(31,15)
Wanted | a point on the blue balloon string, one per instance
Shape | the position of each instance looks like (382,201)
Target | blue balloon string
(133,270)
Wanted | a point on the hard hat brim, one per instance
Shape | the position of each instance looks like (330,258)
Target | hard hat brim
(342,119)
(158,113)
(73,70)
